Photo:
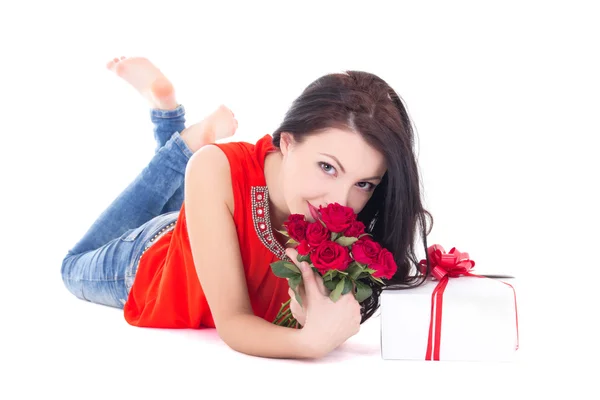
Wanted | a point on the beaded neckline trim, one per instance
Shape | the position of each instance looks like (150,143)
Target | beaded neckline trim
(262,221)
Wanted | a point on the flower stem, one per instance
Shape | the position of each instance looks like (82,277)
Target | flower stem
(285,322)
(280,320)
(284,317)
(281,311)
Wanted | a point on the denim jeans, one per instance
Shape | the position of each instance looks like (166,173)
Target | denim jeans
(101,267)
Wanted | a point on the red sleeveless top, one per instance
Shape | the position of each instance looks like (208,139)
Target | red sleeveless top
(167,293)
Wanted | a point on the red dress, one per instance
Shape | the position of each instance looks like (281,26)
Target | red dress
(166,292)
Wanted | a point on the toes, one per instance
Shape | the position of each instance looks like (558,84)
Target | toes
(111,64)
(120,68)
(223,107)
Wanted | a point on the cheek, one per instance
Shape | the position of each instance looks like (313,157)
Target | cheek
(302,189)
(303,182)
(358,202)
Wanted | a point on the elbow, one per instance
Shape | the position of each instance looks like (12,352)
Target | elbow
(228,330)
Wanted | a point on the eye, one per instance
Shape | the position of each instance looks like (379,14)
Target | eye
(368,188)
(326,167)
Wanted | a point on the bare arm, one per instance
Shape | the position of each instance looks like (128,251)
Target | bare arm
(218,262)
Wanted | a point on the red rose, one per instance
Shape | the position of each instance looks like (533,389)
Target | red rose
(385,266)
(336,217)
(316,234)
(296,227)
(366,251)
(356,228)
(303,248)
(330,255)
(296,218)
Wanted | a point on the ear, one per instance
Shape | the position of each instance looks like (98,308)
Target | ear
(285,143)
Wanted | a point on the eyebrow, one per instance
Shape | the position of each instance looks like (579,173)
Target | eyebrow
(344,171)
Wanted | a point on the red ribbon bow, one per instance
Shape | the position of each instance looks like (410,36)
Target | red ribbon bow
(444,266)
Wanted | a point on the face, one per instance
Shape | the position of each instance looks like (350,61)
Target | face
(335,166)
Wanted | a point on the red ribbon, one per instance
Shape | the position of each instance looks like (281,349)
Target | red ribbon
(445,266)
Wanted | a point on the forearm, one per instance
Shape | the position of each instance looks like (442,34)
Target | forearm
(255,336)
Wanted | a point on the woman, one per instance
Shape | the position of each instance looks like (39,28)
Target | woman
(190,242)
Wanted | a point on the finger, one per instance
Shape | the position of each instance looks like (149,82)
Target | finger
(309,278)
(302,291)
(295,309)
(292,254)
(322,287)
(302,294)
(311,286)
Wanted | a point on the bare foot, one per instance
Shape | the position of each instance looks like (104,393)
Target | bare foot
(147,79)
(220,124)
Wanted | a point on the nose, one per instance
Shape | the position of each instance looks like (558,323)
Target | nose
(338,194)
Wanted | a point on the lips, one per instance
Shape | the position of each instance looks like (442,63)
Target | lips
(314,212)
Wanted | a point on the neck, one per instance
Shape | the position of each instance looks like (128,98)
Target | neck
(279,211)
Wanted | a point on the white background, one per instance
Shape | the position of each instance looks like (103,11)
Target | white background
(504,98)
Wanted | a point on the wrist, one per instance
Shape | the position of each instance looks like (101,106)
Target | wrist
(310,346)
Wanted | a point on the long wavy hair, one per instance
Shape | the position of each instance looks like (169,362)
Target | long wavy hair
(362,102)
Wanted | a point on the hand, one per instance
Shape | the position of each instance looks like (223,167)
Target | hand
(298,312)
(327,324)
(295,307)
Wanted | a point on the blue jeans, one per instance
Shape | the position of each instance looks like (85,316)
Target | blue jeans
(102,265)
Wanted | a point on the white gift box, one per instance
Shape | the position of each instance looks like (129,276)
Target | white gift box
(479,321)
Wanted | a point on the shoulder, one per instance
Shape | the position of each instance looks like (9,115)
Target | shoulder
(209,170)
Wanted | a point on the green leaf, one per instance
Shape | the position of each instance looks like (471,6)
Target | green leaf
(363,274)
(284,269)
(345,241)
(337,292)
(322,223)
(354,270)
(301,258)
(347,286)
(363,291)
(364,234)
(297,294)
(376,279)
(329,275)
(330,284)
(294,281)
(283,232)
(334,236)
(291,241)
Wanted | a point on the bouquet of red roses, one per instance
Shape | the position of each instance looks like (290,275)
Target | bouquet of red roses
(337,247)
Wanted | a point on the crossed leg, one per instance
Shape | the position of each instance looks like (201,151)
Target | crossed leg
(100,258)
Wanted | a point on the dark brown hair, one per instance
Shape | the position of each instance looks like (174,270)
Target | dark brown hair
(362,102)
